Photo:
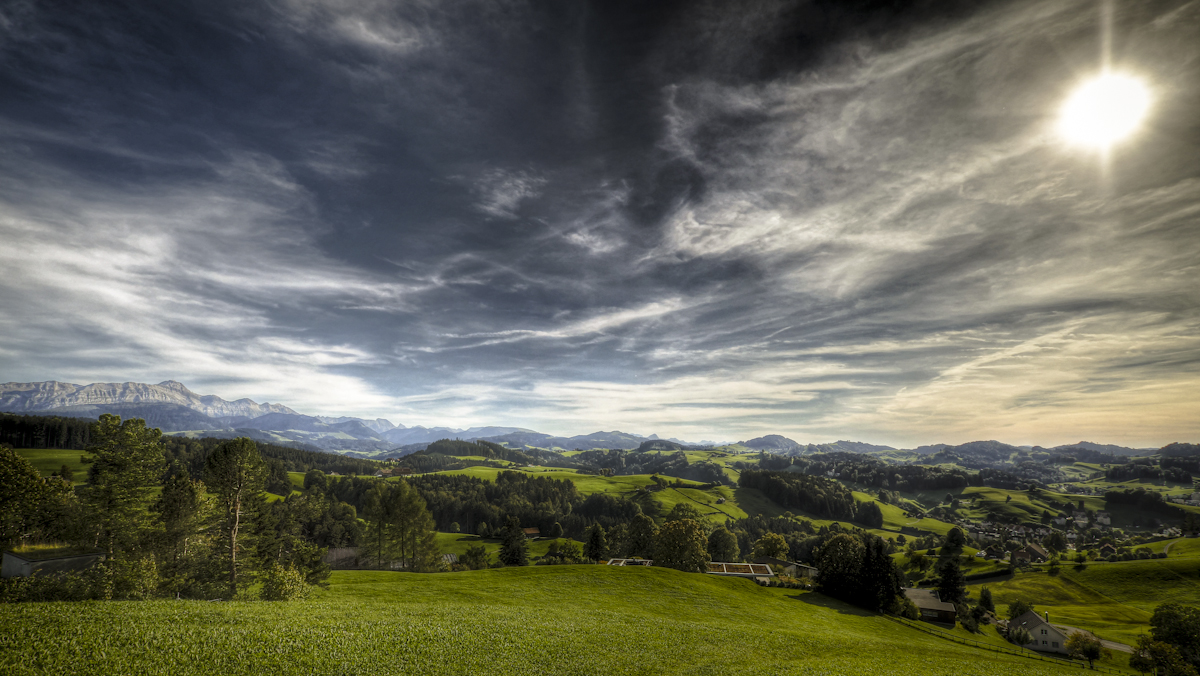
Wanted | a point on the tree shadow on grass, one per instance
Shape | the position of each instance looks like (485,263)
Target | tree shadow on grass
(823,601)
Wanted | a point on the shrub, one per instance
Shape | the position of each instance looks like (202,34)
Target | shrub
(283,584)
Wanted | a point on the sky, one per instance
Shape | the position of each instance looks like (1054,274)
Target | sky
(707,219)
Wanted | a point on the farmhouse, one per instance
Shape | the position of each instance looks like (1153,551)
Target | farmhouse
(1035,553)
(993,552)
(532,533)
(932,608)
(786,567)
(1047,638)
(1108,550)
(48,561)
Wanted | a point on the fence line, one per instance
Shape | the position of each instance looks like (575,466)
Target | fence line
(1025,652)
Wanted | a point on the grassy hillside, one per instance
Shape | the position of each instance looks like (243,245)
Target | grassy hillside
(1113,600)
(543,620)
(50,460)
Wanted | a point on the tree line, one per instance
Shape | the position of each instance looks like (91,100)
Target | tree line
(164,531)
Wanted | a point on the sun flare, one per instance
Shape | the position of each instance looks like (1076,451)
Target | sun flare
(1104,110)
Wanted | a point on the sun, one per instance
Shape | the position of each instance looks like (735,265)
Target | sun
(1104,110)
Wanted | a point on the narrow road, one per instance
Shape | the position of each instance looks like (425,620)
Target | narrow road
(1111,645)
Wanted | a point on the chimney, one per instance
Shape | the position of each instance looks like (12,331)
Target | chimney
(1047,617)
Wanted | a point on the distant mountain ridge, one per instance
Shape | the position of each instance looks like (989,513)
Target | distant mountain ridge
(174,408)
(51,395)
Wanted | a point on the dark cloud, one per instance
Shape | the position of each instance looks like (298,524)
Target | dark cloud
(825,219)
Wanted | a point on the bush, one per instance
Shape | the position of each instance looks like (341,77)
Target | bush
(283,584)
(56,587)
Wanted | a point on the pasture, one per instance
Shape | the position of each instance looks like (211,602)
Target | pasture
(1112,600)
(534,620)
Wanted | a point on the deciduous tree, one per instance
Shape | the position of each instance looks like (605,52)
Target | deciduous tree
(642,535)
(1084,646)
(722,545)
(597,543)
(682,545)
(772,545)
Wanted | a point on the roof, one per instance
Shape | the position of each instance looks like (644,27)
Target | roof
(928,599)
(531,531)
(1036,548)
(1031,620)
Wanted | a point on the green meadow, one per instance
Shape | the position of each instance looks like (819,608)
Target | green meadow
(50,460)
(534,620)
(1112,600)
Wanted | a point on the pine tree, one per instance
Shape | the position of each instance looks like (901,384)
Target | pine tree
(985,600)
(514,551)
(235,473)
(401,527)
(128,459)
(952,586)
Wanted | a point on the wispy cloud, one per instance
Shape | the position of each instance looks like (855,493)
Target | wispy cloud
(709,227)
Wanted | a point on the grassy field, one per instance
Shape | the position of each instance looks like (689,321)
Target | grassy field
(536,620)
(457,543)
(50,460)
(1113,600)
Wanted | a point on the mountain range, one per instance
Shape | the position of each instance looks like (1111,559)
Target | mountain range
(175,409)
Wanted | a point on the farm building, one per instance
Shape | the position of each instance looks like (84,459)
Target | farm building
(45,562)
(630,562)
(932,608)
(532,533)
(755,570)
(1036,553)
(1047,638)
(782,567)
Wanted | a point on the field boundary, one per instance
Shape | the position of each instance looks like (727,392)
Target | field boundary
(1019,652)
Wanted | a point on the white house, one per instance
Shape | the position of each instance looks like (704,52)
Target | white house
(1047,638)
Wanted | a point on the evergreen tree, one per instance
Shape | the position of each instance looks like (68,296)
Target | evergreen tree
(952,586)
(127,461)
(880,579)
(722,545)
(514,551)
(475,557)
(401,527)
(597,544)
(180,513)
(839,563)
(235,473)
(28,503)
(985,600)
